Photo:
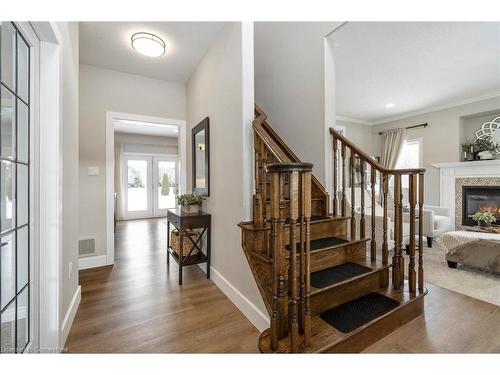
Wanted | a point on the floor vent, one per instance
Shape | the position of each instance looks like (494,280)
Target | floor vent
(86,246)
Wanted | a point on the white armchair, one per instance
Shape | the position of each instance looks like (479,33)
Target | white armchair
(379,217)
(436,221)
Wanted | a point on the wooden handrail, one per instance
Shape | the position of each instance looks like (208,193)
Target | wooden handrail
(370,160)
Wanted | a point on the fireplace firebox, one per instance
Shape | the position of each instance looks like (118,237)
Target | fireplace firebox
(480,198)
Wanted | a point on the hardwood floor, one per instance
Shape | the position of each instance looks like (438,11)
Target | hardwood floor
(137,306)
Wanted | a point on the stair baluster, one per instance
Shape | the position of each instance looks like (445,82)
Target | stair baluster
(335,167)
(353,196)
(385,245)
(293,178)
(344,203)
(420,231)
(412,198)
(373,242)
(306,213)
(397,260)
(362,232)
(276,249)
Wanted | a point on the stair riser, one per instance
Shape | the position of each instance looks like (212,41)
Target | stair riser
(317,208)
(255,240)
(322,259)
(349,291)
(362,339)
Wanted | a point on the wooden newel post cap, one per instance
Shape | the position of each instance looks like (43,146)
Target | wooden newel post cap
(289,167)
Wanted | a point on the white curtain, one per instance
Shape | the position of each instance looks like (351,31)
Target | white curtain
(392,146)
(119,181)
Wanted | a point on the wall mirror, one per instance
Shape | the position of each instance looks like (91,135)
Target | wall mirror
(201,158)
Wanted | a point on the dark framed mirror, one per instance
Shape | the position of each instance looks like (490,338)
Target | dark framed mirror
(201,158)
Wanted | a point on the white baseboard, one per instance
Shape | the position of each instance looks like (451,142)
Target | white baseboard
(253,314)
(92,262)
(70,315)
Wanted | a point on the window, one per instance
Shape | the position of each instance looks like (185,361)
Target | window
(14,190)
(410,157)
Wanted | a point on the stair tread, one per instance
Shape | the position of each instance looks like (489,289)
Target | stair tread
(323,335)
(336,274)
(354,314)
(374,266)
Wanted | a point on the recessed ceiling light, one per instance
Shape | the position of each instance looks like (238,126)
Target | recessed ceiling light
(148,44)
(389,105)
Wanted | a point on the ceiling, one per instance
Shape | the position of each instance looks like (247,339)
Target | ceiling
(414,65)
(145,128)
(107,45)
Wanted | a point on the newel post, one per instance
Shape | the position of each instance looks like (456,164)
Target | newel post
(291,311)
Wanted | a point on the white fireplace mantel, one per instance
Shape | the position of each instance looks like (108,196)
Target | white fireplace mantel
(449,172)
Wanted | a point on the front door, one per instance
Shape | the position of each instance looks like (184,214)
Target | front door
(150,185)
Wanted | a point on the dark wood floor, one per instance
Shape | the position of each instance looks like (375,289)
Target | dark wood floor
(137,306)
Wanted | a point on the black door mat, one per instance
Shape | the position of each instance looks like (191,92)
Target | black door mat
(354,314)
(336,274)
(323,243)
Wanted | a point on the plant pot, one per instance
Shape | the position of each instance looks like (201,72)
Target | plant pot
(483,224)
(191,209)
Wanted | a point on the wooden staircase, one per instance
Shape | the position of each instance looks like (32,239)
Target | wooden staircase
(312,264)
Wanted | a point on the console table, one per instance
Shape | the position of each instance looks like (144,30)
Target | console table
(184,221)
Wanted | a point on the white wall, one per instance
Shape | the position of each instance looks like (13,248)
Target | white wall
(69,253)
(359,134)
(290,85)
(221,88)
(441,139)
(104,90)
(147,144)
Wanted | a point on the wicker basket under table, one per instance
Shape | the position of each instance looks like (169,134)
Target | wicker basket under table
(187,245)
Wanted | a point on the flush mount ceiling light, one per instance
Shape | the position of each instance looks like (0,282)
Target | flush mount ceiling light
(148,44)
(389,105)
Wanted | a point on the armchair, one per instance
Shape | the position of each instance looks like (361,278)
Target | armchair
(436,221)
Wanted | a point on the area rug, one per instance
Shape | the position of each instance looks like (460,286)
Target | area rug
(466,280)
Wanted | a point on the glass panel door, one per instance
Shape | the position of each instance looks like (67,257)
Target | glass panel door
(15,275)
(137,187)
(166,176)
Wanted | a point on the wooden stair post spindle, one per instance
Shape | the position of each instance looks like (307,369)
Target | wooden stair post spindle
(398,223)
(335,162)
(385,245)
(293,178)
(353,197)
(362,232)
(420,231)
(373,242)
(343,202)
(275,244)
(412,276)
(306,176)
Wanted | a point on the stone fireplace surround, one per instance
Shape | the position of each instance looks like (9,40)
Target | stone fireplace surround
(460,183)
(453,176)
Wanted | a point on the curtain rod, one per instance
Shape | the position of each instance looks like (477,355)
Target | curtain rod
(411,127)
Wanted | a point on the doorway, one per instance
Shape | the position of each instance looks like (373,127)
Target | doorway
(150,183)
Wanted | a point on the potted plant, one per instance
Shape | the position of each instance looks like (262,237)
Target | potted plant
(484,148)
(468,150)
(190,202)
(484,219)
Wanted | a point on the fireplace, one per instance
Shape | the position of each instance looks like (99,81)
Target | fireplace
(480,198)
